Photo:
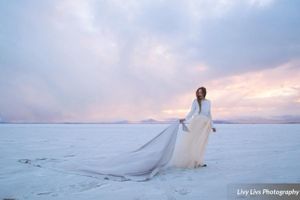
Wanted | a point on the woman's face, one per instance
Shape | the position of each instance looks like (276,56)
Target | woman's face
(200,94)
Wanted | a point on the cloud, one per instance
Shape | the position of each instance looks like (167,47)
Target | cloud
(263,93)
(247,38)
(105,60)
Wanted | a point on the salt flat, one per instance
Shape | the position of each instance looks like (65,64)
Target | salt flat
(236,153)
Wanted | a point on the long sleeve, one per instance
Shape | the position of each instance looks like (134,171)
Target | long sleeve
(191,112)
(209,114)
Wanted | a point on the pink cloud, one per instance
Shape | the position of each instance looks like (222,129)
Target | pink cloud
(261,93)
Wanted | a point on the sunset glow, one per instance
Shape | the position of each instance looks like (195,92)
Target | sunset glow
(94,61)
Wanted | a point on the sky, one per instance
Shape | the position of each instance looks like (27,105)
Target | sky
(98,60)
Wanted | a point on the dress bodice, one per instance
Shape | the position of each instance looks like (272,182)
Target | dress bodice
(205,109)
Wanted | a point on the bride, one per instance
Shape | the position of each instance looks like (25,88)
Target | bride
(190,151)
(161,152)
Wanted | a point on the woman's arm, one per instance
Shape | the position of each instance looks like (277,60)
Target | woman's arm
(210,116)
(192,110)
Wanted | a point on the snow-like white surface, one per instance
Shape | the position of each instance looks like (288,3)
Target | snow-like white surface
(264,153)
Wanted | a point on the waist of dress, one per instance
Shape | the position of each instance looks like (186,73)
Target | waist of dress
(201,115)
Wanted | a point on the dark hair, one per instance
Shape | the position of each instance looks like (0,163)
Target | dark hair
(204,94)
(203,90)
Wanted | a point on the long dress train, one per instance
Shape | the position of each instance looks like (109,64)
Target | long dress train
(145,162)
(142,164)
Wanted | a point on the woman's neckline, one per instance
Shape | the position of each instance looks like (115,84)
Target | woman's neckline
(201,99)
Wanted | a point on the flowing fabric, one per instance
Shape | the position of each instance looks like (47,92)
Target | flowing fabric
(138,165)
(189,153)
(145,162)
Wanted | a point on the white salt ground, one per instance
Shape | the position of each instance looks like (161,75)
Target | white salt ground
(236,153)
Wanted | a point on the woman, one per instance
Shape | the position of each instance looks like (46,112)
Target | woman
(189,152)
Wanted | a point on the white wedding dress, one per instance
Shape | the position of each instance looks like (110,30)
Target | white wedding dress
(159,153)
(189,153)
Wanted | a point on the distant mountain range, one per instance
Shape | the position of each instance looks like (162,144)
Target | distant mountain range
(283,119)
